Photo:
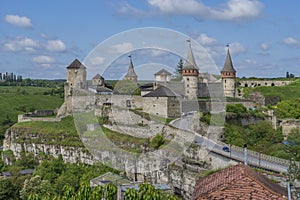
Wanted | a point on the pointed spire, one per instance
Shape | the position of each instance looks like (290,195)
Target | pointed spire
(228,66)
(131,73)
(190,62)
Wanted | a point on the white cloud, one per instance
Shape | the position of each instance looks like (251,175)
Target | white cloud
(264,46)
(175,7)
(43,59)
(237,48)
(23,22)
(238,10)
(290,41)
(97,60)
(232,10)
(55,46)
(121,48)
(205,40)
(127,9)
(21,44)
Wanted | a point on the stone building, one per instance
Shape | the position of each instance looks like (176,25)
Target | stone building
(162,102)
(76,79)
(98,80)
(190,76)
(162,76)
(238,182)
(228,75)
(131,75)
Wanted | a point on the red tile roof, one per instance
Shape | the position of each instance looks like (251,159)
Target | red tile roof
(238,182)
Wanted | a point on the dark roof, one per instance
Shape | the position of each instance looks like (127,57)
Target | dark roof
(97,76)
(6,174)
(161,92)
(103,89)
(190,62)
(228,66)
(131,72)
(235,181)
(76,64)
(26,171)
(163,71)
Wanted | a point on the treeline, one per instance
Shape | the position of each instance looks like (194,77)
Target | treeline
(54,179)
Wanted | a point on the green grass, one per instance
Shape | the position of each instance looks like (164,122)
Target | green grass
(18,100)
(51,133)
(287,92)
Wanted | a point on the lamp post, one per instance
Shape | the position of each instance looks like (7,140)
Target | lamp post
(245,154)
(259,157)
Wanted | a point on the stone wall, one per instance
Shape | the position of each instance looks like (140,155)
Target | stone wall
(156,106)
(255,83)
(288,125)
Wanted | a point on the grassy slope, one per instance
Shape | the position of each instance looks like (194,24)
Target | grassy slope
(16,100)
(287,92)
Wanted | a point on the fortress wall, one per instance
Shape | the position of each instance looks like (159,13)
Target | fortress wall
(288,125)
(255,83)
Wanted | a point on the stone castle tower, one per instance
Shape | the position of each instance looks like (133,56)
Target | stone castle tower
(190,75)
(131,75)
(228,75)
(76,79)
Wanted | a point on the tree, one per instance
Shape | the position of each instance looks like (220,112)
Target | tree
(8,190)
(147,191)
(126,87)
(36,187)
(178,71)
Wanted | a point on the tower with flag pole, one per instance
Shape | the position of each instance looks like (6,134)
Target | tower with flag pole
(228,75)
(190,74)
(131,75)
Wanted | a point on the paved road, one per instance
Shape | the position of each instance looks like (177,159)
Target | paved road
(235,153)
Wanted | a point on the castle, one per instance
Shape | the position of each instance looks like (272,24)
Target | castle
(163,97)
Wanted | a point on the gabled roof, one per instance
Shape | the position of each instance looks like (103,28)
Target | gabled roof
(163,71)
(76,64)
(228,66)
(161,92)
(97,76)
(190,62)
(131,72)
(235,182)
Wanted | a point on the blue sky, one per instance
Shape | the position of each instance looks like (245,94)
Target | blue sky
(38,39)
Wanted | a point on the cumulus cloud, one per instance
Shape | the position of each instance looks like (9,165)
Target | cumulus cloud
(127,9)
(237,48)
(21,44)
(205,40)
(55,46)
(175,7)
(232,10)
(237,10)
(290,41)
(97,60)
(264,46)
(16,20)
(43,59)
(121,48)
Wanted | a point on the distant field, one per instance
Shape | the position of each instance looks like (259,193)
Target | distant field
(17,100)
(287,92)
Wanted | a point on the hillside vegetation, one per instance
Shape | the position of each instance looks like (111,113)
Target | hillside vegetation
(288,92)
(17,100)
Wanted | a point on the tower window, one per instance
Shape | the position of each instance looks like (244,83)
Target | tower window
(187,79)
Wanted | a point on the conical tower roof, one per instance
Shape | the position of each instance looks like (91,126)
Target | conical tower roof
(131,72)
(228,66)
(190,62)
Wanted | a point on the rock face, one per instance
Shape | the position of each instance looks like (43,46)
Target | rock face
(181,175)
